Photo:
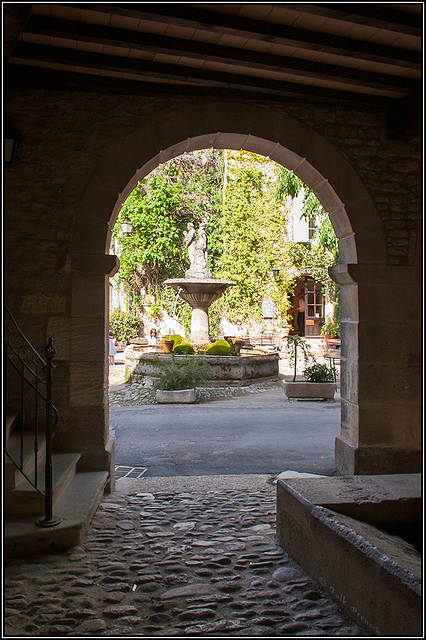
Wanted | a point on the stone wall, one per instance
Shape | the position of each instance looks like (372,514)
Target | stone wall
(77,157)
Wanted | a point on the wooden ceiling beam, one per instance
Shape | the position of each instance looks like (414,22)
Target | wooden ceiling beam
(368,14)
(199,78)
(188,16)
(21,76)
(84,32)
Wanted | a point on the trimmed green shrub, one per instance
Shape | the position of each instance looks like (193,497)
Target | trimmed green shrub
(183,348)
(177,339)
(219,348)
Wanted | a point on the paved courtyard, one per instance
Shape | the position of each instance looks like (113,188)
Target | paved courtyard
(174,557)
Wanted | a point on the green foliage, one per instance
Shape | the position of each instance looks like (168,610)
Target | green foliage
(187,188)
(180,373)
(124,325)
(294,345)
(153,250)
(183,348)
(289,185)
(253,229)
(320,373)
(246,215)
(219,348)
(214,320)
(330,329)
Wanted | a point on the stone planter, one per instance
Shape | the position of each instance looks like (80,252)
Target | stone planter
(310,390)
(181,396)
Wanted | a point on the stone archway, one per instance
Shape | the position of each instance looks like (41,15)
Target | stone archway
(362,447)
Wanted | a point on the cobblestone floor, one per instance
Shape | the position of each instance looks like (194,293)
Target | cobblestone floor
(179,560)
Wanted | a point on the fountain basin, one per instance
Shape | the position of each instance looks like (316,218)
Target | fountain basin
(199,293)
(234,371)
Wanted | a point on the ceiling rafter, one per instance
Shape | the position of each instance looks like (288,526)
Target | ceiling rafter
(368,14)
(194,18)
(366,55)
(138,66)
(41,77)
(85,32)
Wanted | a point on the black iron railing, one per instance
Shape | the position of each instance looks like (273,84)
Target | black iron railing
(29,398)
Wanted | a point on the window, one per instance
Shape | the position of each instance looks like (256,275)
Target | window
(314,300)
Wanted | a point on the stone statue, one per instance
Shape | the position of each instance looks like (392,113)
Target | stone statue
(197,252)
(189,240)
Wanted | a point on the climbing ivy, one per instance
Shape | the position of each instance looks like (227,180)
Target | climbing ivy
(289,185)
(323,252)
(152,252)
(253,228)
(187,188)
(244,199)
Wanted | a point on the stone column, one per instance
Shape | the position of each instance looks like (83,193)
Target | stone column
(380,370)
(89,419)
(200,324)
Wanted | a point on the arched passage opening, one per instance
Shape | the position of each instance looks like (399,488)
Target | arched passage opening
(366,443)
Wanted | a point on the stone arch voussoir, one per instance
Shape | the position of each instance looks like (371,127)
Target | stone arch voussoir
(266,131)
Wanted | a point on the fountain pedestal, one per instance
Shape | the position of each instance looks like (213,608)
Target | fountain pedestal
(199,293)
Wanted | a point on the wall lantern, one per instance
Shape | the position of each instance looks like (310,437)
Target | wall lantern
(126,227)
(10,143)
(276,273)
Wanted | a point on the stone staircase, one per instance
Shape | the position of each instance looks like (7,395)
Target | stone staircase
(76,496)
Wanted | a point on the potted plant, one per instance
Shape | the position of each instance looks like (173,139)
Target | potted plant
(319,385)
(296,346)
(330,331)
(177,379)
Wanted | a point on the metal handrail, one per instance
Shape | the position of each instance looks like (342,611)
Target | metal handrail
(34,399)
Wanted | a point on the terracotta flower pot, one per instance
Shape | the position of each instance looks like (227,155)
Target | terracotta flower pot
(167,345)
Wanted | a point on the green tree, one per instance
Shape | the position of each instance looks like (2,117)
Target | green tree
(288,184)
(152,252)
(323,252)
(187,188)
(253,231)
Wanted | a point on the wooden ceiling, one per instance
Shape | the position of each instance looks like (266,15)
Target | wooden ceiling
(339,53)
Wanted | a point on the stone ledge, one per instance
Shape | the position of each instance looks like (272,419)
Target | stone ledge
(344,554)
(228,370)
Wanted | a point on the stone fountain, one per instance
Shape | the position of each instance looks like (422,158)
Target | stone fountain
(198,288)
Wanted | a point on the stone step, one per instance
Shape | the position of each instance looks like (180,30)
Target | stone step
(25,499)
(12,475)
(76,508)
